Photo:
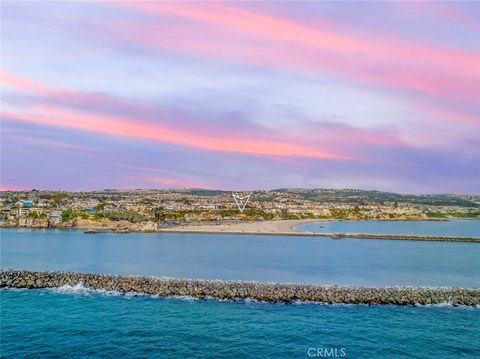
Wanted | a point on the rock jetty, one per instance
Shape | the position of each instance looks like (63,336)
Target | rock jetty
(333,235)
(269,292)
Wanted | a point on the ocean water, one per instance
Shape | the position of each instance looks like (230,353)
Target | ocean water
(81,324)
(314,260)
(460,228)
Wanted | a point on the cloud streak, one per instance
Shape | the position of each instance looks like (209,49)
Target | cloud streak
(227,31)
(50,115)
(239,95)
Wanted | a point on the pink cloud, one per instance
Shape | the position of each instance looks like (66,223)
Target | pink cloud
(50,115)
(309,140)
(10,188)
(163,179)
(175,182)
(226,31)
(24,84)
(331,141)
(47,142)
(71,97)
(448,9)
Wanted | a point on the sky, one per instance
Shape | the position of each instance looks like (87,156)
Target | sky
(240,95)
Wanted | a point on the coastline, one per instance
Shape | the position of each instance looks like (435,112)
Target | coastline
(260,228)
(263,227)
(338,236)
(288,228)
(233,290)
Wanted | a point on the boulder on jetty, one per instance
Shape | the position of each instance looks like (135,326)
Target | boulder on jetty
(268,292)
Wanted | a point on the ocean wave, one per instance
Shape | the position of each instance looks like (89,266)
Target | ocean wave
(447,305)
(185,298)
(10,289)
(80,289)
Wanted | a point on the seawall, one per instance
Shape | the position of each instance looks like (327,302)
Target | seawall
(269,292)
(334,235)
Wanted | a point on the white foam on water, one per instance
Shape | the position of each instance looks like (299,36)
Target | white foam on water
(80,289)
(443,304)
(439,305)
(185,298)
(14,289)
(306,302)
(447,305)
(311,302)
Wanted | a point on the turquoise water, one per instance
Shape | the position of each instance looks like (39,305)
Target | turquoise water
(74,322)
(46,323)
(244,257)
(460,228)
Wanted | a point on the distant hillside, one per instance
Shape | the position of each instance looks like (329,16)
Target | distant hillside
(353,197)
(365,197)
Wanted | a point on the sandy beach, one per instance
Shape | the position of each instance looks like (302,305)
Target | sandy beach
(280,226)
(287,228)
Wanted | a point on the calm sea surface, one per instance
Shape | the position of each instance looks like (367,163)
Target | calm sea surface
(55,324)
(75,322)
(460,228)
(286,259)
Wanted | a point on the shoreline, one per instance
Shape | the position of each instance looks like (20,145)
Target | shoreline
(260,228)
(265,227)
(233,290)
(338,236)
(287,228)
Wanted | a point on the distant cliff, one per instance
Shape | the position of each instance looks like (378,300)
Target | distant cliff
(80,223)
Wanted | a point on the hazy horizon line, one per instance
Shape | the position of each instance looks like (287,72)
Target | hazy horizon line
(236,191)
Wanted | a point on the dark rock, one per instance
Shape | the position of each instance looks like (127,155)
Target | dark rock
(233,290)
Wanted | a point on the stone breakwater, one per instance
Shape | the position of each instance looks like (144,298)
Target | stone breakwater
(268,292)
(333,235)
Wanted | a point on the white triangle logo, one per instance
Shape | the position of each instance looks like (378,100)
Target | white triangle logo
(241,201)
